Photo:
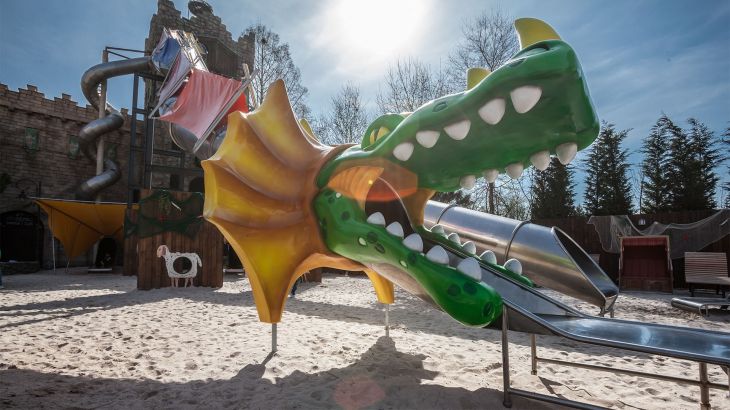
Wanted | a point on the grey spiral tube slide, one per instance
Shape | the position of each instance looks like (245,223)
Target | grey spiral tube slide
(91,132)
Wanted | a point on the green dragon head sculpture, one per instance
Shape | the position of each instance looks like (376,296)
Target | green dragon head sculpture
(534,105)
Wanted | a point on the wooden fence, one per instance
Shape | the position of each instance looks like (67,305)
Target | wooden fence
(587,237)
(140,255)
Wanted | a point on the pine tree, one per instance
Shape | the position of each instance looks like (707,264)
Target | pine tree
(705,157)
(679,170)
(655,190)
(608,191)
(553,191)
(693,157)
(726,144)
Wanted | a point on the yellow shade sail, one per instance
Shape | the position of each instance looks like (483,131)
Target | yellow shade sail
(78,224)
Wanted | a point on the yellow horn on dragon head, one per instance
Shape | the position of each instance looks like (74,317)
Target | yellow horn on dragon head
(531,31)
(475,75)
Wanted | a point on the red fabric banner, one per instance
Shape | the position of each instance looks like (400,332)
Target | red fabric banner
(202,99)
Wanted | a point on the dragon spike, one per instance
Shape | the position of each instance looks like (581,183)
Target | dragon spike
(308,130)
(531,31)
(475,75)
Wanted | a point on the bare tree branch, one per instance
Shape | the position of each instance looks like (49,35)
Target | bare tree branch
(272,61)
(489,41)
(347,120)
(410,84)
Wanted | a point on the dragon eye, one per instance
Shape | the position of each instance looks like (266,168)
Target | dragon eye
(527,53)
(535,50)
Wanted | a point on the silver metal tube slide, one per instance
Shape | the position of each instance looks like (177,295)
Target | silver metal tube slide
(549,256)
(91,79)
(91,132)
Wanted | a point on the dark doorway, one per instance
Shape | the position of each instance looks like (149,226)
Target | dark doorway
(196,185)
(106,253)
(21,237)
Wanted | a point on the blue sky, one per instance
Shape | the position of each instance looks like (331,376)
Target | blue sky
(641,58)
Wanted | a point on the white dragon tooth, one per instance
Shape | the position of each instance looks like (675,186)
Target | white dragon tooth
(489,257)
(376,219)
(493,111)
(469,247)
(403,151)
(427,138)
(458,130)
(514,170)
(541,160)
(525,97)
(468,181)
(470,267)
(437,254)
(413,242)
(438,229)
(566,152)
(454,237)
(395,229)
(491,175)
(514,265)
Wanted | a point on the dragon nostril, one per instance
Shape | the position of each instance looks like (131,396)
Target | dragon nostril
(487,311)
(440,106)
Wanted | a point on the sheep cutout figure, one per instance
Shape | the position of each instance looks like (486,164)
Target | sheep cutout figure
(164,252)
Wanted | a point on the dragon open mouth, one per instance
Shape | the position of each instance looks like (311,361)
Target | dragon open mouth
(385,209)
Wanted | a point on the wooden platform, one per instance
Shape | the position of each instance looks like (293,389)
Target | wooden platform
(140,254)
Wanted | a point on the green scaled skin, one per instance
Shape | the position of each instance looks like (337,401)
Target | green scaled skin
(348,234)
(534,103)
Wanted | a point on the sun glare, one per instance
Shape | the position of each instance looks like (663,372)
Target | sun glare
(374,31)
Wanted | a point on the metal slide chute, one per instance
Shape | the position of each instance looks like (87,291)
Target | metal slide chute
(91,132)
(549,256)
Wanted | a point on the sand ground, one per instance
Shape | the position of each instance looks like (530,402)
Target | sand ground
(88,341)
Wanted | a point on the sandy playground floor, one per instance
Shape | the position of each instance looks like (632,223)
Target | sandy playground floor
(93,341)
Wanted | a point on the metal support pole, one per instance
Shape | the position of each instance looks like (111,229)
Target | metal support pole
(387,320)
(53,252)
(273,338)
(507,402)
(102,114)
(704,388)
(53,244)
(533,353)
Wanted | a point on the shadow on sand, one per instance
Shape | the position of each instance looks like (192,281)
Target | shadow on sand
(382,377)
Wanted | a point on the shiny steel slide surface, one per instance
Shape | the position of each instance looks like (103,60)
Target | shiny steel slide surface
(549,257)
(114,120)
(534,312)
(91,79)
(673,341)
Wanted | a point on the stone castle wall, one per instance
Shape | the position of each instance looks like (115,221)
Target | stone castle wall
(51,164)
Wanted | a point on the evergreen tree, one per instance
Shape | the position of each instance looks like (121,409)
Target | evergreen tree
(655,185)
(679,170)
(726,143)
(693,157)
(705,157)
(608,191)
(553,191)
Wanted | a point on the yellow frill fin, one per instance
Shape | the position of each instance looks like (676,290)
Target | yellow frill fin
(475,75)
(259,187)
(531,31)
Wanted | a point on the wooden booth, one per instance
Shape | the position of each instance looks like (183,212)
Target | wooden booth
(173,219)
(645,264)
